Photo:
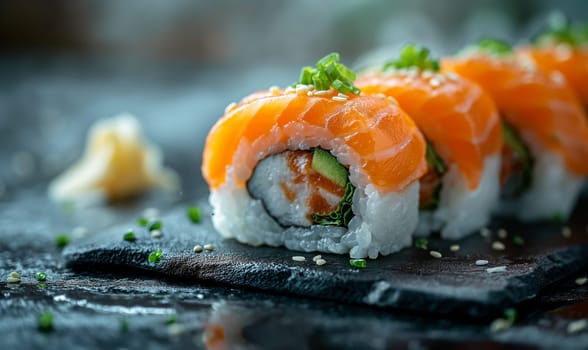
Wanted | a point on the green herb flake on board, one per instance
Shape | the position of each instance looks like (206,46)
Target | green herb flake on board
(358,263)
(155,256)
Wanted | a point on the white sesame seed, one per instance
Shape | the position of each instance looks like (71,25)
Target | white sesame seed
(14,274)
(79,232)
(497,245)
(485,232)
(310,93)
(412,73)
(481,262)
(302,89)
(298,258)
(342,95)
(563,52)
(322,92)
(230,107)
(316,257)
(581,281)
(427,74)
(197,248)
(208,247)
(380,95)
(290,90)
(156,234)
(339,98)
(496,269)
(434,82)
(577,326)
(151,213)
(13,277)
(435,254)
(274,90)
(502,233)
(452,76)
(566,232)
(500,324)
(321,262)
(454,247)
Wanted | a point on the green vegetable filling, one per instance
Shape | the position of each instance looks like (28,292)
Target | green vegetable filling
(329,72)
(515,143)
(436,164)
(340,216)
(412,56)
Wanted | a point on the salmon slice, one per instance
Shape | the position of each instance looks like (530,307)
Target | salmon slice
(455,115)
(546,112)
(570,61)
(373,133)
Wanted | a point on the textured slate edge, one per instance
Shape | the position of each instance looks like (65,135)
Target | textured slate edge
(306,282)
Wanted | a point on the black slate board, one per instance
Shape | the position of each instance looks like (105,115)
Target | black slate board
(410,280)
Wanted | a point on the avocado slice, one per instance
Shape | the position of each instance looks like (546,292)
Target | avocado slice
(325,164)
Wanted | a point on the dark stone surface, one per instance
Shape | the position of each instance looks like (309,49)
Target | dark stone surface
(411,279)
(45,109)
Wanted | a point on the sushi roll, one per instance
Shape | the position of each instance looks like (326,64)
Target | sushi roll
(562,50)
(316,167)
(461,125)
(545,131)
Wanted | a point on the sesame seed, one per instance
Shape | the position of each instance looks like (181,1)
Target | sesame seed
(454,247)
(339,98)
(496,269)
(485,232)
(427,74)
(151,213)
(322,92)
(500,324)
(310,93)
(298,258)
(230,107)
(156,234)
(577,326)
(481,262)
(434,82)
(452,76)
(302,89)
(566,232)
(342,95)
(13,277)
(496,245)
(320,262)
(208,247)
(197,248)
(581,281)
(316,257)
(274,90)
(412,73)
(563,52)
(380,95)
(502,233)
(435,254)
(290,90)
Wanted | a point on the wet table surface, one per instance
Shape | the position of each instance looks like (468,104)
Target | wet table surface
(45,110)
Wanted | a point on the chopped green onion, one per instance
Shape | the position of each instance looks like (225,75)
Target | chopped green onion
(412,56)
(358,263)
(171,320)
(494,46)
(510,314)
(518,240)
(194,214)
(45,322)
(156,225)
(143,222)
(41,276)
(155,256)
(422,243)
(329,72)
(129,236)
(61,241)
(124,325)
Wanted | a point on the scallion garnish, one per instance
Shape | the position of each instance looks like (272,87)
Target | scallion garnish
(413,57)
(143,222)
(129,236)
(358,263)
(493,46)
(45,322)
(41,276)
(156,225)
(194,214)
(171,320)
(421,243)
(518,240)
(329,73)
(61,241)
(155,256)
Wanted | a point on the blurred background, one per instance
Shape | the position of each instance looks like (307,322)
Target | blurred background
(177,64)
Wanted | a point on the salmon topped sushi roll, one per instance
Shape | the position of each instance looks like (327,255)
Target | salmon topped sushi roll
(563,50)
(316,167)
(462,127)
(545,152)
